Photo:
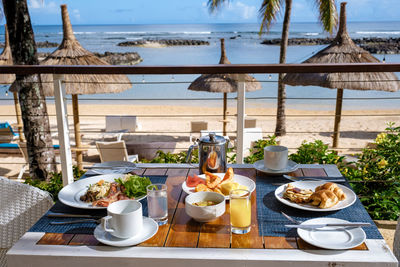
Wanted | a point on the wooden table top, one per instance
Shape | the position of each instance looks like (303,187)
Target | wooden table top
(182,231)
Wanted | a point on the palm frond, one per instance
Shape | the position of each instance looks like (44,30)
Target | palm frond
(268,12)
(213,5)
(327,14)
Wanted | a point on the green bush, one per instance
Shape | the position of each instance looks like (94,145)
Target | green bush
(162,157)
(257,151)
(376,175)
(315,152)
(55,184)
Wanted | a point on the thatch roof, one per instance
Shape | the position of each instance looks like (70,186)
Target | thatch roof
(223,83)
(6,59)
(70,52)
(344,50)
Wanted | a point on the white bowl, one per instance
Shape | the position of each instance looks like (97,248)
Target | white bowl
(206,213)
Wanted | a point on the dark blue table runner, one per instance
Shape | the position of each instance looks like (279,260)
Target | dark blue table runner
(272,223)
(43,225)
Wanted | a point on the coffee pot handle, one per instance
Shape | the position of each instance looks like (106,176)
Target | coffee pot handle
(189,153)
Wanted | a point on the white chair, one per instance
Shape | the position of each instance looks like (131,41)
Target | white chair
(114,151)
(250,122)
(21,205)
(197,127)
(250,135)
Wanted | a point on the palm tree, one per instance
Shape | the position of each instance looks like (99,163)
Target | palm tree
(268,12)
(32,100)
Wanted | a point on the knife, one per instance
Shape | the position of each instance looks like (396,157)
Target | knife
(111,167)
(66,215)
(314,226)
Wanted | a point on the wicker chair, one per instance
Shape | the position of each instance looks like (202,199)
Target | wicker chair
(21,205)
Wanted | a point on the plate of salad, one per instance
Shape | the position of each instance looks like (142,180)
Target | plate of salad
(98,192)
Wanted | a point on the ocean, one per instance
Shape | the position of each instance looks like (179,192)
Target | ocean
(243,46)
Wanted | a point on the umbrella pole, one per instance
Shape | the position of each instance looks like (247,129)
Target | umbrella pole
(77,130)
(338,114)
(224,115)
(19,119)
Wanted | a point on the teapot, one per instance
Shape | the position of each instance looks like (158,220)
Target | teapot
(212,153)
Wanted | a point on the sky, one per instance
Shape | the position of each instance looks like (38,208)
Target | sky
(47,12)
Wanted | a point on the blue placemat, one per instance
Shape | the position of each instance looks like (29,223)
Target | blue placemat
(272,223)
(43,225)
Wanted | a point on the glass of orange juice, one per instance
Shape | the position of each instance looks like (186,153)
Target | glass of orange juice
(240,211)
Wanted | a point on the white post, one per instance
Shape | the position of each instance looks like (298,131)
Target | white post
(241,96)
(63,130)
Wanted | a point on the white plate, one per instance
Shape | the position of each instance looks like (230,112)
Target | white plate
(291,167)
(240,179)
(150,228)
(350,196)
(126,167)
(70,194)
(332,237)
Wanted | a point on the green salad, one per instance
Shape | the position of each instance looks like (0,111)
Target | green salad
(135,186)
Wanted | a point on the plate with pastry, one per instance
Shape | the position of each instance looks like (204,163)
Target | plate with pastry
(315,195)
(221,183)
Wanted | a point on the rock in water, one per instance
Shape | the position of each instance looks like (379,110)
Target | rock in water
(164,42)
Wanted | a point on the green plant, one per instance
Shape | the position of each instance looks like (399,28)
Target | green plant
(376,175)
(55,184)
(162,157)
(316,152)
(257,151)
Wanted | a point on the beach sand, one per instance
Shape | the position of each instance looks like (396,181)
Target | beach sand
(172,124)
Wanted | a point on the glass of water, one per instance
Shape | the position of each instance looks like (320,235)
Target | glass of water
(157,203)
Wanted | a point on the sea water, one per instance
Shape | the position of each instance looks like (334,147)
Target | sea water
(243,46)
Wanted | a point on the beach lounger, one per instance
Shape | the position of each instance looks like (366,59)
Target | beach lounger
(120,124)
(7,134)
(114,151)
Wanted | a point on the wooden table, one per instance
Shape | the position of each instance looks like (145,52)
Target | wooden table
(183,242)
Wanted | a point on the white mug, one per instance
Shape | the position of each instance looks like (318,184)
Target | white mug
(124,218)
(275,157)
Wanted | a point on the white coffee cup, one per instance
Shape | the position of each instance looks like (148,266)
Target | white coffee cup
(124,218)
(275,157)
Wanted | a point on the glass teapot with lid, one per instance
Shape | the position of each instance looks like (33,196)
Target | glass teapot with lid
(212,153)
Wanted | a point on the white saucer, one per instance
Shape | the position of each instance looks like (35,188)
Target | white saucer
(291,167)
(332,237)
(150,228)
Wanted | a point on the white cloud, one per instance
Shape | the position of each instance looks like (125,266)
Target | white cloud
(41,5)
(247,11)
(238,10)
(76,14)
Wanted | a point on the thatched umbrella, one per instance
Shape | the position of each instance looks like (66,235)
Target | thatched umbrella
(344,50)
(223,83)
(6,59)
(70,52)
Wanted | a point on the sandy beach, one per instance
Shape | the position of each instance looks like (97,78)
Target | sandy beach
(171,125)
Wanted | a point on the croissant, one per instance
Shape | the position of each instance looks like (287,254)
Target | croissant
(324,199)
(334,188)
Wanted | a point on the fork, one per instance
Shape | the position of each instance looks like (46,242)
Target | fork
(290,218)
